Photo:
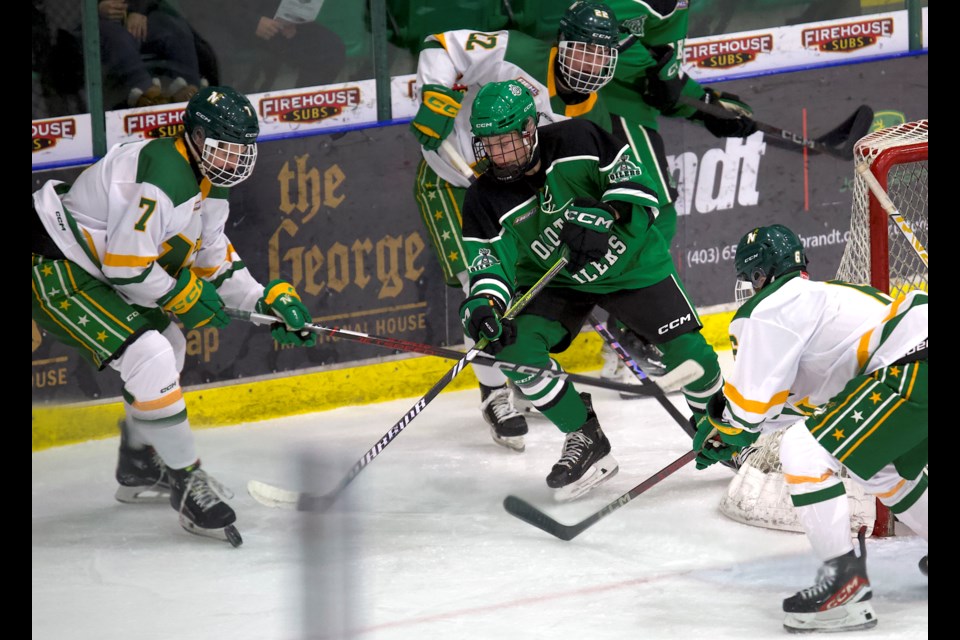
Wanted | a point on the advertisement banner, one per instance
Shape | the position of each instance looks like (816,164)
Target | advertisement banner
(295,111)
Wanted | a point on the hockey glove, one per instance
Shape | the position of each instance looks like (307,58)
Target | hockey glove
(740,124)
(281,299)
(195,302)
(434,119)
(663,83)
(586,231)
(729,440)
(482,317)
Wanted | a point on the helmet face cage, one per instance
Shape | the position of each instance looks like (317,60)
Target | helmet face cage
(509,155)
(504,125)
(585,67)
(587,46)
(225,164)
(222,130)
(744,289)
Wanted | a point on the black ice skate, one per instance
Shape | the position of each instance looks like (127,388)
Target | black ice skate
(507,425)
(141,473)
(586,459)
(840,601)
(196,497)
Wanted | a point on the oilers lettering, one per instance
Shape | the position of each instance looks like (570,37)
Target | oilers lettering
(597,268)
(547,241)
(673,324)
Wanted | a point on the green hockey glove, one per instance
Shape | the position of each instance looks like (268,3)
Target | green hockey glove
(663,83)
(586,231)
(281,299)
(434,120)
(740,124)
(482,317)
(729,440)
(195,302)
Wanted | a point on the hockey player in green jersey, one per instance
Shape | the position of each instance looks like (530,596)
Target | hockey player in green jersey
(647,84)
(138,236)
(563,77)
(843,368)
(570,186)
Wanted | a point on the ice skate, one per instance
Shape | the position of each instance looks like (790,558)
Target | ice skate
(840,601)
(197,498)
(586,461)
(521,403)
(141,473)
(507,425)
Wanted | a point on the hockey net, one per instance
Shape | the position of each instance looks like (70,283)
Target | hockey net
(879,253)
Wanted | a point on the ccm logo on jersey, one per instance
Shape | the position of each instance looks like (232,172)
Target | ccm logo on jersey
(673,324)
(588,219)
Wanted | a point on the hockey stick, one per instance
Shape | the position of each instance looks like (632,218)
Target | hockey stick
(276,497)
(863,168)
(531,515)
(837,143)
(685,377)
(483,359)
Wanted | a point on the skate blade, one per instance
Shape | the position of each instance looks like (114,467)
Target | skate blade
(143,495)
(228,533)
(851,617)
(514,443)
(599,473)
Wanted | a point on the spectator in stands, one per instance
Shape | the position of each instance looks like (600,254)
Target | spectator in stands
(237,27)
(131,31)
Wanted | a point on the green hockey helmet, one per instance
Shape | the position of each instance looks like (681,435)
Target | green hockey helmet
(763,255)
(503,120)
(587,46)
(221,129)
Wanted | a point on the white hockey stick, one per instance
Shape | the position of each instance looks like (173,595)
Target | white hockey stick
(863,168)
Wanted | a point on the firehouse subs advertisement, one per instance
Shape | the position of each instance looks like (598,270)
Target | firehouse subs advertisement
(334,214)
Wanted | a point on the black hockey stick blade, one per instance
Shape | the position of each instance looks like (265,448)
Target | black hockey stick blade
(845,136)
(531,515)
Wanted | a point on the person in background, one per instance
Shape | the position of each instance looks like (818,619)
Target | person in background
(139,237)
(843,369)
(131,31)
(647,85)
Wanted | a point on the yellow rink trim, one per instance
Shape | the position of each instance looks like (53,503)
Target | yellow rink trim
(292,395)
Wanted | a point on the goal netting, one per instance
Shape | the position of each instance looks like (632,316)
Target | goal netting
(877,252)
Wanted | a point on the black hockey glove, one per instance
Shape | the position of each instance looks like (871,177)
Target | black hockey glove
(739,124)
(586,231)
(482,317)
(663,83)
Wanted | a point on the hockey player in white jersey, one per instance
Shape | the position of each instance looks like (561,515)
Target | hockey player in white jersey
(851,362)
(563,78)
(141,234)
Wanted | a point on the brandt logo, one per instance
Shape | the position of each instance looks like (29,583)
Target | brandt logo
(720,179)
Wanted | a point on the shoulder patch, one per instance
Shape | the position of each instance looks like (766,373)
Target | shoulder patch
(625,169)
(483,261)
(635,25)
